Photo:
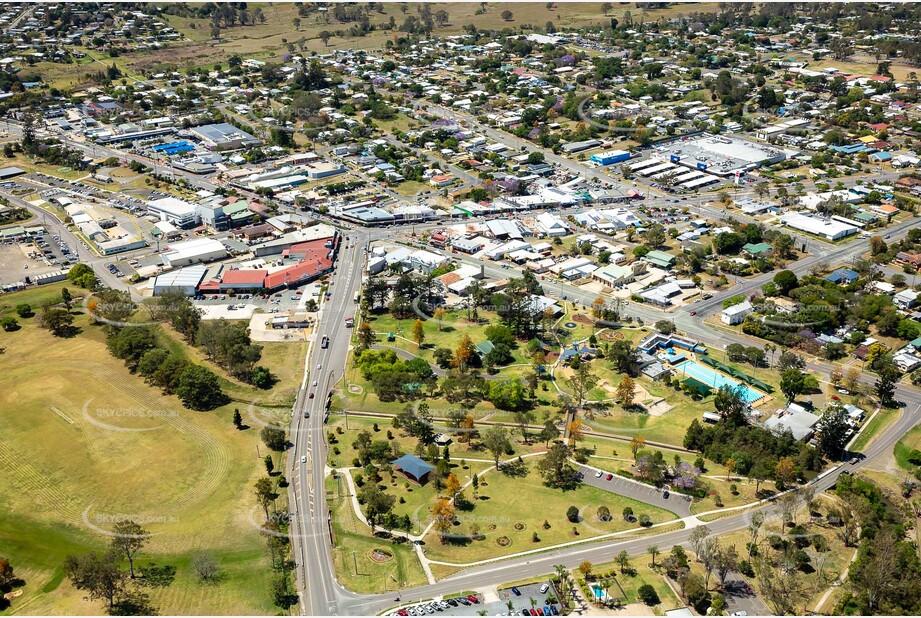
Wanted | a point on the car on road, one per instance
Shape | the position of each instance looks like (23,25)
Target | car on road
(303,458)
(314,382)
(693,313)
(310,396)
(854,461)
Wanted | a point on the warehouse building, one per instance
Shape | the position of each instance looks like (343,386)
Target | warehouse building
(194,251)
(183,280)
(719,154)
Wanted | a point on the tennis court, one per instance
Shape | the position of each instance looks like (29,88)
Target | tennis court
(716,380)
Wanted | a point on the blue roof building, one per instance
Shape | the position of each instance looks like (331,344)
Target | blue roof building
(843,275)
(413,468)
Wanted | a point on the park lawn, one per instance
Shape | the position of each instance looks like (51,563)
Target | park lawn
(910,441)
(353,545)
(401,122)
(506,503)
(89,442)
(411,188)
(33,165)
(639,572)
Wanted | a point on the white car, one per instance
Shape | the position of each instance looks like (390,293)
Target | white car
(314,382)
(599,474)
(303,458)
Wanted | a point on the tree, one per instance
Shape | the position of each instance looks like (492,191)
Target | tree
(199,389)
(576,431)
(128,540)
(265,494)
(57,320)
(885,384)
(9,324)
(554,467)
(585,568)
(452,486)
(98,575)
(833,434)
(626,391)
(237,419)
(496,440)
(785,471)
(269,464)
(24,310)
(418,332)
(443,516)
(606,7)
(66,298)
(205,566)
(548,433)
(506,15)
(653,551)
(648,595)
(666,327)
(366,336)
(325,36)
(623,560)
(465,353)
(792,384)
(582,380)
(697,538)
(274,438)
(572,514)
(636,444)
(786,281)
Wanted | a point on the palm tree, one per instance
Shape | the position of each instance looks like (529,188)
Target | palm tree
(653,552)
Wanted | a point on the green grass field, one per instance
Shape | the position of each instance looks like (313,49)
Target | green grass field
(872,428)
(517,506)
(86,443)
(903,448)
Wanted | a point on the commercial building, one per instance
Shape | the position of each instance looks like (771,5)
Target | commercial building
(178,212)
(610,157)
(224,136)
(824,228)
(194,251)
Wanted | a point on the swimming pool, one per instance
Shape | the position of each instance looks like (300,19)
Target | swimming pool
(715,380)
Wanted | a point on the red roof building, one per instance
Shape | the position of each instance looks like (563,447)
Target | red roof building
(298,274)
(243,279)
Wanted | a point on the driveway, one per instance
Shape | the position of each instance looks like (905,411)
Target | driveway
(676,503)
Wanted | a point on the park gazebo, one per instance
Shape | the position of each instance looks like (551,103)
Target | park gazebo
(413,468)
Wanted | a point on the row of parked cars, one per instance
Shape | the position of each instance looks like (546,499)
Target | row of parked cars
(438,606)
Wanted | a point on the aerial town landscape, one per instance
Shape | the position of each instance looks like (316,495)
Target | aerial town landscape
(418,309)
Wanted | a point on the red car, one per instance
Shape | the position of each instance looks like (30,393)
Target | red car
(609,477)
(693,313)
(402,612)
(473,598)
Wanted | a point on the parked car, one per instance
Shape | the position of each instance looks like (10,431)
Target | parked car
(609,477)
